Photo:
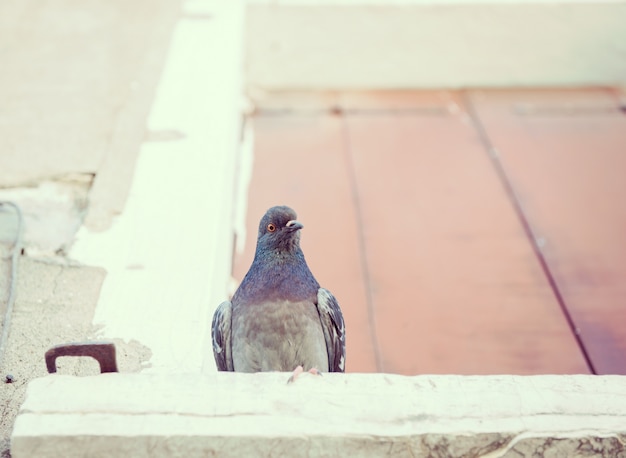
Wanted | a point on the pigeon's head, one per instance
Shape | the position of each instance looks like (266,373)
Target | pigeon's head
(279,229)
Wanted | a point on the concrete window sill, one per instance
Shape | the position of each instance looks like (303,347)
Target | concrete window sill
(226,414)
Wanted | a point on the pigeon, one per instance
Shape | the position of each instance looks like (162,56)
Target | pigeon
(279,318)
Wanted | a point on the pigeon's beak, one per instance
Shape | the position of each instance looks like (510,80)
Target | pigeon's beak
(293,225)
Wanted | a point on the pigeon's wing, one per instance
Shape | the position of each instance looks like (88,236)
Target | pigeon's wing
(334,330)
(221,332)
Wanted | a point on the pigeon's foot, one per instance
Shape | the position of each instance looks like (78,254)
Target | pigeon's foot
(299,370)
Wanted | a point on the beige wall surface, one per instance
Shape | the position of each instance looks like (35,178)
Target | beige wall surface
(424,44)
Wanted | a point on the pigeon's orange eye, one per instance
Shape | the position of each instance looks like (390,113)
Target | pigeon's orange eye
(271,227)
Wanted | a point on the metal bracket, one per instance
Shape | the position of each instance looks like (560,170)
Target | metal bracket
(101,351)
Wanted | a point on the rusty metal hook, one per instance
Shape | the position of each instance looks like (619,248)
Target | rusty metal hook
(101,351)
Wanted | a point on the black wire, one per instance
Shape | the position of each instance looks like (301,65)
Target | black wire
(17,249)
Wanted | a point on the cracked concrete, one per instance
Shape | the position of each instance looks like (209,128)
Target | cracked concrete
(49,309)
(52,212)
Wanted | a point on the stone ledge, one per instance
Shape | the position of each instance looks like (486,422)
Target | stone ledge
(228,414)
